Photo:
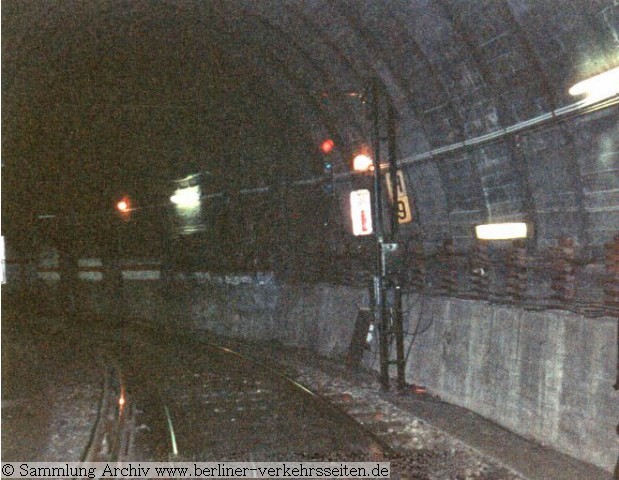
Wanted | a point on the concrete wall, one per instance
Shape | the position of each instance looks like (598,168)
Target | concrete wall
(545,375)
(318,317)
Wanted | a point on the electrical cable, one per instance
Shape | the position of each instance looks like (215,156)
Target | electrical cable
(416,332)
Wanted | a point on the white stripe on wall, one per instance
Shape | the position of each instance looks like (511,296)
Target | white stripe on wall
(90,276)
(49,276)
(141,274)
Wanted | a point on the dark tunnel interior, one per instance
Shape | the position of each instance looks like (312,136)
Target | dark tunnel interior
(111,99)
(195,141)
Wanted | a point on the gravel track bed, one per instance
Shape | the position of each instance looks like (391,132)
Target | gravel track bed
(51,384)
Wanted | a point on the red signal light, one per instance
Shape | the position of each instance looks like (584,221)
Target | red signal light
(327,146)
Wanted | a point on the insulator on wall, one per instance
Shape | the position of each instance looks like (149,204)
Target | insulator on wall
(479,270)
(563,270)
(611,284)
(517,275)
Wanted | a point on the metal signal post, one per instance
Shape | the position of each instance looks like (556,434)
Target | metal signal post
(386,289)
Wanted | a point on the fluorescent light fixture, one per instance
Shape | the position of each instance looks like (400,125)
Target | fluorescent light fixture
(361,212)
(186,197)
(598,87)
(501,231)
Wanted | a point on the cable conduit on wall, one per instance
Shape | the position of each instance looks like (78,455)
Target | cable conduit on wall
(560,114)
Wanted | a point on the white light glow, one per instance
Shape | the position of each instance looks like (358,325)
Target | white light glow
(599,87)
(123,206)
(361,212)
(362,163)
(186,197)
(501,231)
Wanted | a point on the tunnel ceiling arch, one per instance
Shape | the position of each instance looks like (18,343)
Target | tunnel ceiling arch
(149,90)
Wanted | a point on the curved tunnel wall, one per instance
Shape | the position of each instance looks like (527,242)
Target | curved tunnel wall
(456,71)
(562,179)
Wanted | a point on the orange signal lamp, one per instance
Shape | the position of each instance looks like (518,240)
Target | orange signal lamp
(363,163)
(123,205)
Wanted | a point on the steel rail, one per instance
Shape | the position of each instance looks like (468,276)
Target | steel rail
(324,404)
(332,410)
(110,438)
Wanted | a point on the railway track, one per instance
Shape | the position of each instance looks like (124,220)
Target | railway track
(195,400)
(112,433)
(328,404)
(169,400)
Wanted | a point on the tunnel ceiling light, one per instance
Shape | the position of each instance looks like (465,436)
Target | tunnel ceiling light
(598,87)
(363,163)
(501,231)
(186,197)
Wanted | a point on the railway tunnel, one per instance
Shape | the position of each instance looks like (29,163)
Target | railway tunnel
(185,177)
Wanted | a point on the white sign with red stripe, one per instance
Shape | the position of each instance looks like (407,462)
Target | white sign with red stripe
(361,212)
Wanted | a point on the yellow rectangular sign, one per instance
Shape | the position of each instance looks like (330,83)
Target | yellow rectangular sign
(399,184)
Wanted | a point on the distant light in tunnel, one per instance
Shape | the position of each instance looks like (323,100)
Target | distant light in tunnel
(186,197)
(327,146)
(123,205)
(501,231)
(598,87)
